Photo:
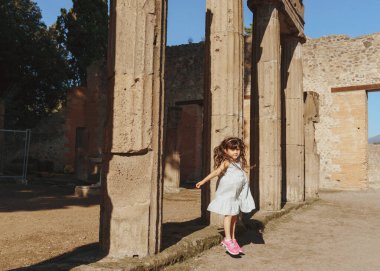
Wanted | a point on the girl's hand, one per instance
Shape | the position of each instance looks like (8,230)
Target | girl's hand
(199,184)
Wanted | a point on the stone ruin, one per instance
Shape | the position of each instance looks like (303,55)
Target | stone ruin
(131,206)
(300,104)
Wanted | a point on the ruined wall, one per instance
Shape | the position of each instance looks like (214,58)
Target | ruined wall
(374,166)
(351,131)
(47,142)
(53,140)
(184,87)
(333,61)
(184,68)
(338,61)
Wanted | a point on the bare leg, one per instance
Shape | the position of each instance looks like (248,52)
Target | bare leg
(227,226)
(234,219)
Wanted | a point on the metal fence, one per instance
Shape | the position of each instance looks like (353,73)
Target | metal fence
(14,154)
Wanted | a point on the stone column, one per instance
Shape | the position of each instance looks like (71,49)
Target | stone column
(266,105)
(292,117)
(312,159)
(223,83)
(172,155)
(131,208)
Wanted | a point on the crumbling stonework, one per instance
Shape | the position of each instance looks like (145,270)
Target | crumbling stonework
(312,159)
(223,89)
(85,116)
(184,70)
(351,131)
(131,207)
(374,166)
(339,61)
(47,144)
(327,62)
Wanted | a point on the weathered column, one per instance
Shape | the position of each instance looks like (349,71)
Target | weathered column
(312,159)
(131,204)
(223,83)
(172,155)
(266,105)
(292,117)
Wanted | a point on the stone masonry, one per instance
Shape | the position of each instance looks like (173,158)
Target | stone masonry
(131,207)
(374,166)
(327,62)
(341,134)
(276,125)
(223,99)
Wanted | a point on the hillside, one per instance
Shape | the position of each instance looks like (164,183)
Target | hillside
(373,140)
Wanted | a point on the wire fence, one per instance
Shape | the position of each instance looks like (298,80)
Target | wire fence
(14,154)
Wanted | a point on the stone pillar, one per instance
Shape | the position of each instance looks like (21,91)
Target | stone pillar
(172,156)
(266,105)
(312,159)
(131,208)
(223,83)
(292,116)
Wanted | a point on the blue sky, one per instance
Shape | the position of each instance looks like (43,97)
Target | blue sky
(186,20)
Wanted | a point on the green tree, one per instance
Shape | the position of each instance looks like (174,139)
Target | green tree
(83,32)
(248,30)
(33,69)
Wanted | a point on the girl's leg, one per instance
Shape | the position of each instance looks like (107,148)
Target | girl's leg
(227,226)
(234,219)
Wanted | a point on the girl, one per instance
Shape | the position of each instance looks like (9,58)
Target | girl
(233,193)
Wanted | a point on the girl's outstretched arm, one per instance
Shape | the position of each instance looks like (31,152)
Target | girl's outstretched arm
(214,173)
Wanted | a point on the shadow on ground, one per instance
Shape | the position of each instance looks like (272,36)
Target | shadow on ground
(82,255)
(173,232)
(41,194)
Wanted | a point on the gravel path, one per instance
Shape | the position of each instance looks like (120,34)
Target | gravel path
(41,222)
(341,232)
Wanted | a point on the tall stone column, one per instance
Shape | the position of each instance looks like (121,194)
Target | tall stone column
(292,116)
(131,208)
(172,155)
(266,105)
(312,159)
(223,83)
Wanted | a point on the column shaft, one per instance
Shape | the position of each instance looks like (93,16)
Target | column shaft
(293,132)
(312,159)
(266,107)
(223,82)
(131,209)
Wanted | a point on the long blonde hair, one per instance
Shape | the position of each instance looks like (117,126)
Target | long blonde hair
(232,143)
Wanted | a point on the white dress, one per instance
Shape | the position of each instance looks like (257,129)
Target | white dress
(233,193)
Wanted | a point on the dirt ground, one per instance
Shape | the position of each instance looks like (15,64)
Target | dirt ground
(44,220)
(340,232)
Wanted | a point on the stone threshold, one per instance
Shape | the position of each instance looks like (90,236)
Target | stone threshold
(188,247)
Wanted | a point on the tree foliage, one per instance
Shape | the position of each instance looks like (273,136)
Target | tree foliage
(33,68)
(83,32)
(248,30)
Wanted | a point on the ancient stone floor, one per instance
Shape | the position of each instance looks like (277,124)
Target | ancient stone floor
(341,232)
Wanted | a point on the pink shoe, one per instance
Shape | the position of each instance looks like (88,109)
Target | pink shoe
(237,245)
(229,245)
